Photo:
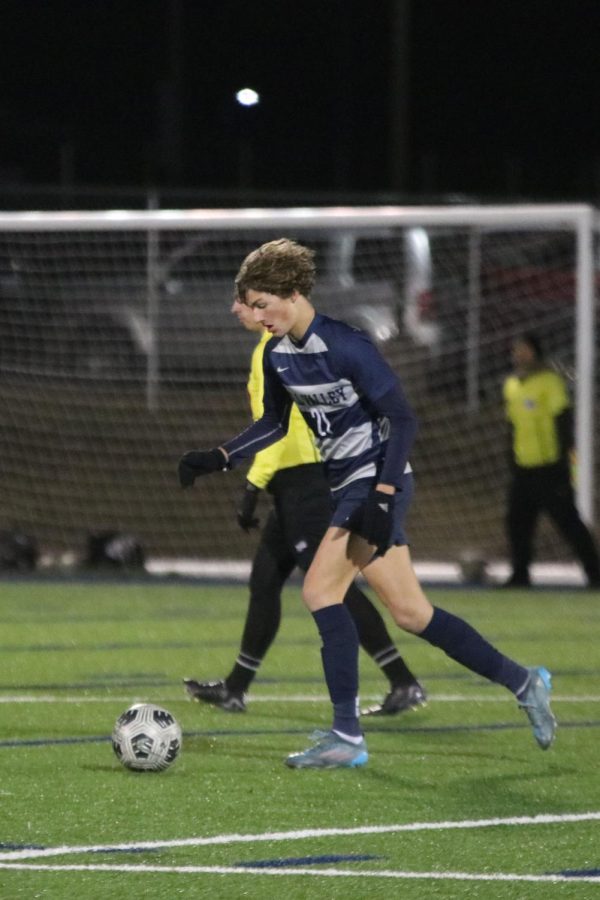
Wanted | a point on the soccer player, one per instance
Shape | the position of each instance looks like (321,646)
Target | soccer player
(364,427)
(292,472)
(540,417)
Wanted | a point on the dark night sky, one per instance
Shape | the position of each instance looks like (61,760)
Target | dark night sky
(501,97)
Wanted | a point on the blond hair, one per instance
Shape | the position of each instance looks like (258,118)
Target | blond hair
(277,267)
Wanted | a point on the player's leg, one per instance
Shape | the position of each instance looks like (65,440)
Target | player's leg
(271,567)
(405,691)
(332,571)
(339,558)
(394,580)
(304,510)
(521,518)
(559,501)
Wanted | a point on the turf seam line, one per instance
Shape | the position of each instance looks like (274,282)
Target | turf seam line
(511,821)
(321,873)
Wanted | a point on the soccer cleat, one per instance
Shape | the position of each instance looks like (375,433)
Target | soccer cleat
(216,693)
(535,700)
(329,752)
(399,699)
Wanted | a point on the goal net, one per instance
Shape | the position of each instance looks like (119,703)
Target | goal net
(118,352)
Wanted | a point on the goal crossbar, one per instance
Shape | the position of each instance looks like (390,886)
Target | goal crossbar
(502,216)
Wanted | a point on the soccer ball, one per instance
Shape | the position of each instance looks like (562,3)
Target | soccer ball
(146,738)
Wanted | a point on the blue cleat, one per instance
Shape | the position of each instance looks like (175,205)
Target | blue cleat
(329,752)
(535,700)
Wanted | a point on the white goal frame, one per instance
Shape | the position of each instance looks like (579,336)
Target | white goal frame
(580,218)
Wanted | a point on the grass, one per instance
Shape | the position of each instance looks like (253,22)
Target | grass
(75,655)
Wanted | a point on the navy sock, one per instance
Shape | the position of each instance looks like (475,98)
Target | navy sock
(340,664)
(462,642)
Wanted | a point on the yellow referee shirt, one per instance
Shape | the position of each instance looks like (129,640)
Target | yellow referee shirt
(297,448)
(532,405)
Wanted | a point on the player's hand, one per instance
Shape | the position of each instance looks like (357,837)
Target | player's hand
(199,462)
(245,514)
(378,519)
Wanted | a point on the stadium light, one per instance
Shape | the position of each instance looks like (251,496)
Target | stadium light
(247,97)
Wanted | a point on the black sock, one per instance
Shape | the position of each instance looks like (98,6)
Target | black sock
(340,664)
(393,666)
(242,675)
(462,642)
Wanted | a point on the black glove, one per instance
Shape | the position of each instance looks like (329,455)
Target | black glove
(378,520)
(199,462)
(245,514)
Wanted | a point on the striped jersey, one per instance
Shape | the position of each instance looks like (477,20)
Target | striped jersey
(337,378)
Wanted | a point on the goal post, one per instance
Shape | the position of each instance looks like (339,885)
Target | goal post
(118,352)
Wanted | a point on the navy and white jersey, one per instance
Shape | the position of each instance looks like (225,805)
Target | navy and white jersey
(348,395)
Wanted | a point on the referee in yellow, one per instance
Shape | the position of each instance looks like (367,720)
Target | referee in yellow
(540,417)
(291,471)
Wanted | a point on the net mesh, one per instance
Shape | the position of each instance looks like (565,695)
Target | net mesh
(118,352)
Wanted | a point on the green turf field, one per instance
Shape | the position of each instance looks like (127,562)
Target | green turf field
(450,804)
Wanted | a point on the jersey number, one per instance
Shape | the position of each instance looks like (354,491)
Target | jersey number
(323,425)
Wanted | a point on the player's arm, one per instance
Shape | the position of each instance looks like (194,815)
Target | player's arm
(266,462)
(378,383)
(510,426)
(378,514)
(271,427)
(259,435)
(403,429)
(264,465)
(560,406)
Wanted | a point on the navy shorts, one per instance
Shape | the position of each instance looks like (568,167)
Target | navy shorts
(348,504)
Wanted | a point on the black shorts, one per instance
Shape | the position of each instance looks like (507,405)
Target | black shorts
(302,512)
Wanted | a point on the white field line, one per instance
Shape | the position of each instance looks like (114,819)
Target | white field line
(283,698)
(223,839)
(319,873)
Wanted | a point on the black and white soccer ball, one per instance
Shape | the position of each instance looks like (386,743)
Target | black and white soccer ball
(146,738)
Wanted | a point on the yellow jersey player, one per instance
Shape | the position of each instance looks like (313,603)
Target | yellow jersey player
(538,410)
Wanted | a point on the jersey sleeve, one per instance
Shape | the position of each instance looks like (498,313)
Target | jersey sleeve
(403,429)
(256,380)
(377,381)
(272,425)
(363,364)
(265,464)
(558,395)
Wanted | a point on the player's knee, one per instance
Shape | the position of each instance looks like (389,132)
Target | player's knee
(411,613)
(317,594)
(312,595)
